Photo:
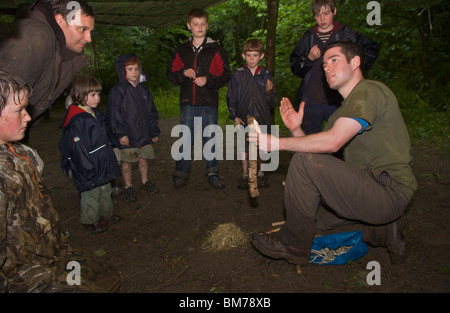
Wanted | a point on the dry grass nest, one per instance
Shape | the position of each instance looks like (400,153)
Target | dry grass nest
(224,237)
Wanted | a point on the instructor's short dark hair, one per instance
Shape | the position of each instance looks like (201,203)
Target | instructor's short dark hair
(349,49)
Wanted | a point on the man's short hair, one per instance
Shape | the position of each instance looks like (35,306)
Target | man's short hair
(64,8)
(11,85)
(253,45)
(349,49)
(317,5)
(82,86)
(197,13)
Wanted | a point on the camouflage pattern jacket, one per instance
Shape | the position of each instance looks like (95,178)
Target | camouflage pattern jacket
(33,250)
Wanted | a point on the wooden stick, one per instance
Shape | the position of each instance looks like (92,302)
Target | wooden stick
(273,230)
(253,160)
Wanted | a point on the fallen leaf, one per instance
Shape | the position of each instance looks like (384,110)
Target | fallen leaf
(100,252)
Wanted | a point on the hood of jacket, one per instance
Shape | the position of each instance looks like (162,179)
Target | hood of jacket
(336,27)
(206,42)
(72,111)
(120,68)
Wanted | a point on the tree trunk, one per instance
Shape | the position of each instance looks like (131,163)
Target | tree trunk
(237,48)
(424,28)
(272,19)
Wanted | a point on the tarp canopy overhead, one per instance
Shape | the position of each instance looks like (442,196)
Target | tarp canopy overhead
(150,13)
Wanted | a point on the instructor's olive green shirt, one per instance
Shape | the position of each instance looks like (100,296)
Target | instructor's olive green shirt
(384,144)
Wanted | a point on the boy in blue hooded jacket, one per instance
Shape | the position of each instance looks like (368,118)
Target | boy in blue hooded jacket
(133,121)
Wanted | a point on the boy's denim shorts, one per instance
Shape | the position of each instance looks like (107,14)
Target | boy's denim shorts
(132,155)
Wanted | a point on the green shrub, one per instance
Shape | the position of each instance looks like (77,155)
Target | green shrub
(422,119)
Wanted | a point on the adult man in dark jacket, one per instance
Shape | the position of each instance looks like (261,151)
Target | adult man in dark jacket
(306,62)
(46,49)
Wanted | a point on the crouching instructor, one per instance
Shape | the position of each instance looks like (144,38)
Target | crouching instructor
(368,190)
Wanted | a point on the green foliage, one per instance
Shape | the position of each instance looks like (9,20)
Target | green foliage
(152,47)
(423,120)
(226,26)
(6,18)
(167,100)
(413,60)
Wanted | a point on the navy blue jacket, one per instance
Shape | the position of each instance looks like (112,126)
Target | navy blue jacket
(247,95)
(86,149)
(314,88)
(131,110)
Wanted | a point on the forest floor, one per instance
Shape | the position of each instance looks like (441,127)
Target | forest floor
(158,246)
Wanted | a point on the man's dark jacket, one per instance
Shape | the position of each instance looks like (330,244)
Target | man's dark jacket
(36,52)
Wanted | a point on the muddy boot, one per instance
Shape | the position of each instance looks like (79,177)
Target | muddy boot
(215,181)
(129,194)
(179,182)
(396,245)
(243,184)
(149,186)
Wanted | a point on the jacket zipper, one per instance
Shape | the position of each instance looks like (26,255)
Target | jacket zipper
(193,83)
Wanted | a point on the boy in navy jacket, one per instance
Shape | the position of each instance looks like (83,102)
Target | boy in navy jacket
(306,62)
(251,91)
(133,121)
(88,154)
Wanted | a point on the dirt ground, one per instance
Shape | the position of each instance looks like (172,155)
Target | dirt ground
(157,247)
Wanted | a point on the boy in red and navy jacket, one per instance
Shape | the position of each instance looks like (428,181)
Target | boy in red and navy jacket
(200,67)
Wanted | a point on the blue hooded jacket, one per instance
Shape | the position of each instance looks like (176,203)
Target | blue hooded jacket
(131,110)
(86,149)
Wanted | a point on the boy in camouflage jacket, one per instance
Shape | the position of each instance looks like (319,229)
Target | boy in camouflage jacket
(34,253)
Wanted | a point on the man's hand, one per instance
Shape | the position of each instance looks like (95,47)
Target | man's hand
(265,142)
(292,119)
